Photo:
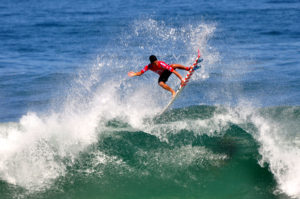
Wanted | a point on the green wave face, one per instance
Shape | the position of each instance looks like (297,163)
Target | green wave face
(195,152)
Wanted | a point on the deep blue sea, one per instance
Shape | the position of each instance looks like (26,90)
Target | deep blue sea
(73,125)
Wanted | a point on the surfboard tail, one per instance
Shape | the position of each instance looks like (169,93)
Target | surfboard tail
(194,67)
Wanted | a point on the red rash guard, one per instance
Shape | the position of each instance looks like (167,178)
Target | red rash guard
(159,69)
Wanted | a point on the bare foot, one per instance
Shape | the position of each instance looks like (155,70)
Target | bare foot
(173,94)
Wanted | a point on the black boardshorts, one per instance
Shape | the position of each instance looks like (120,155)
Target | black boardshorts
(164,76)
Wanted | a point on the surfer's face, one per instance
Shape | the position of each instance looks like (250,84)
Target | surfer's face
(155,63)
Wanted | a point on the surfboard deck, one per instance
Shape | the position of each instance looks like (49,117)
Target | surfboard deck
(194,67)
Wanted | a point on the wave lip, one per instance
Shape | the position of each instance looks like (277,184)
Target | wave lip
(278,135)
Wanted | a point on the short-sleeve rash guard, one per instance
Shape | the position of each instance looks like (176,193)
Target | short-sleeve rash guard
(159,69)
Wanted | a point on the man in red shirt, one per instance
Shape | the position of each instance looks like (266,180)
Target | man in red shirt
(163,70)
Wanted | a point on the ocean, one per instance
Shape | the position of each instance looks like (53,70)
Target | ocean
(73,125)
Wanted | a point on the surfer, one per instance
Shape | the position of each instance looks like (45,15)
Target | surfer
(163,70)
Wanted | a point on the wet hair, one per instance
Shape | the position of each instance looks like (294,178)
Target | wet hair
(152,58)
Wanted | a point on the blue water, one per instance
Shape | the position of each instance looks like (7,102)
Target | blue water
(64,85)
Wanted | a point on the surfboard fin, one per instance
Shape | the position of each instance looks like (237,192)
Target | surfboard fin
(199,60)
(197,66)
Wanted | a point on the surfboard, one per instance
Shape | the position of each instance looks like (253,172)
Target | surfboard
(193,68)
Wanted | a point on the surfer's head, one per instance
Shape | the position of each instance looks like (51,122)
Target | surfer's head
(152,58)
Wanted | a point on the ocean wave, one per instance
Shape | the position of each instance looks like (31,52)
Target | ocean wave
(205,148)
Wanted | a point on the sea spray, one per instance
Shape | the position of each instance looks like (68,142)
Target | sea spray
(37,150)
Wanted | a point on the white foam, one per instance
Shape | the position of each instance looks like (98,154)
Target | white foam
(33,152)
(281,153)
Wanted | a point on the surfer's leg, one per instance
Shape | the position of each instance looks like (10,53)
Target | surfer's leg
(179,66)
(168,88)
(163,78)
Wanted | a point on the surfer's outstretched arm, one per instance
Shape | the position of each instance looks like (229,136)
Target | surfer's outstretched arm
(132,74)
(179,66)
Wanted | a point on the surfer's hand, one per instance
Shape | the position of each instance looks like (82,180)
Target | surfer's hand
(131,74)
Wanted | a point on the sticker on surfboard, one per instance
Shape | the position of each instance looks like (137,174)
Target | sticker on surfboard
(196,65)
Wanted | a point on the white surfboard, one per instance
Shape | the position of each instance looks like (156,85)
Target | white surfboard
(194,67)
